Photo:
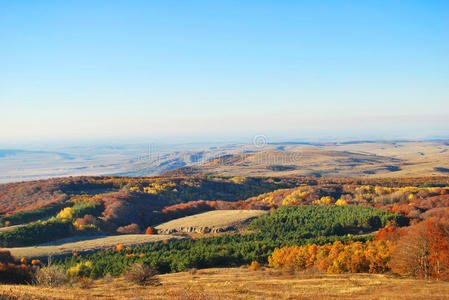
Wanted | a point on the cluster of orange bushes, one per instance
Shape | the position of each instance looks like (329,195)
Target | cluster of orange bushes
(355,257)
(13,271)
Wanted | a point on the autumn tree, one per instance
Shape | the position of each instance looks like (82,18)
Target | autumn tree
(438,244)
(129,229)
(411,255)
(151,230)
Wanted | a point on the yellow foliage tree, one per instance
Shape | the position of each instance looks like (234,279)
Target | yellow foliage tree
(341,202)
(66,213)
(326,200)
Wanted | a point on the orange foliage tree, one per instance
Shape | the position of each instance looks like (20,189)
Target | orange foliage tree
(423,251)
(151,230)
(355,257)
(438,244)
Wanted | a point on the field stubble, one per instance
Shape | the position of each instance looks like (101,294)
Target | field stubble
(241,283)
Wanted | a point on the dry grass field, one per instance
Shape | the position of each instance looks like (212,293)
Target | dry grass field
(241,283)
(365,159)
(212,221)
(85,245)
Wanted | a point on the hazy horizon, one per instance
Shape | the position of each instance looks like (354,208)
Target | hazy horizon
(229,70)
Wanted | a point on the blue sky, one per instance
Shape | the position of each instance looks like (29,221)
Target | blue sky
(287,69)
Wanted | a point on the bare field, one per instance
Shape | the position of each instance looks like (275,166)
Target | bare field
(212,221)
(85,245)
(240,283)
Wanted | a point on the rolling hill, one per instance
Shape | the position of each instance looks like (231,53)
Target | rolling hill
(364,159)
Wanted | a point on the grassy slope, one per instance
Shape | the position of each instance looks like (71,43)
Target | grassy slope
(216,219)
(240,283)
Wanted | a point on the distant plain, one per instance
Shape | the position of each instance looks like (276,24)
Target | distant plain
(350,159)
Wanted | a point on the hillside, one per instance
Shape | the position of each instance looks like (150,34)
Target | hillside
(311,237)
(364,159)
(210,222)
(307,162)
(240,283)
(84,245)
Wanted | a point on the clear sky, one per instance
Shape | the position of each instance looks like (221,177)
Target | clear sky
(202,68)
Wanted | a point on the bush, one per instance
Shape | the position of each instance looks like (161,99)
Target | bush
(141,274)
(50,276)
(80,270)
(129,229)
(11,271)
(151,230)
(254,266)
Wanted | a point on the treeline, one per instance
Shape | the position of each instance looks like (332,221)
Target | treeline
(58,227)
(293,222)
(30,215)
(37,233)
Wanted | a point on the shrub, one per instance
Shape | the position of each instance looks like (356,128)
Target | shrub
(141,274)
(129,229)
(50,276)
(254,266)
(80,270)
(12,271)
(151,230)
